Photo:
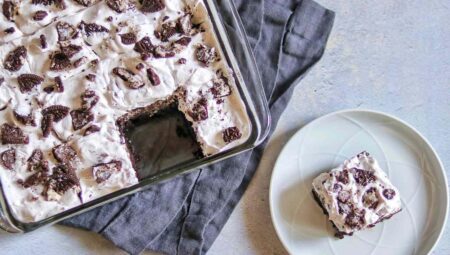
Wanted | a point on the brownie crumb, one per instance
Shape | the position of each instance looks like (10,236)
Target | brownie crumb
(8,158)
(15,59)
(27,120)
(103,171)
(12,134)
(153,77)
(181,61)
(231,134)
(28,81)
(109,19)
(39,15)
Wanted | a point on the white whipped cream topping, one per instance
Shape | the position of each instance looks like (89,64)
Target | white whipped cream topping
(115,98)
(325,187)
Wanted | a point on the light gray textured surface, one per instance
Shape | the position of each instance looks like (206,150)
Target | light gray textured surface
(392,56)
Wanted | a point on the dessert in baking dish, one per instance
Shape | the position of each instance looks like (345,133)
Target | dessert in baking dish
(74,73)
(356,195)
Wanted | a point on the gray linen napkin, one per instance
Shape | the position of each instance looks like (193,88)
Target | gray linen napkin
(186,214)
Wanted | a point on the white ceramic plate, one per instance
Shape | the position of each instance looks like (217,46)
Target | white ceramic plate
(409,160)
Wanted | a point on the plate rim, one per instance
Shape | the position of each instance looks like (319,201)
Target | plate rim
(360,110)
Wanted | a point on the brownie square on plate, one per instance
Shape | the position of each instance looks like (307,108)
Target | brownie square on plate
(356,195)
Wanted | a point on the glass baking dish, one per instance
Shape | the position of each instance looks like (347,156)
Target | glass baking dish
(237,51)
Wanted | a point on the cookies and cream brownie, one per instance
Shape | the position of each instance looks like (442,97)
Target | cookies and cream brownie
(78,71)
(356,195)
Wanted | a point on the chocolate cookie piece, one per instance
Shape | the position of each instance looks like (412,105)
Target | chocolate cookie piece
(43,41)
(231,134)
(153,77)
(81,118)
(91,129)
(12,134)
(64,153)
(70,50)
(362,177)
(128,38)
(47,124)
(103,171)
(144,46)
(59,61)
(343,177)
(166,31)
(130,79)
(355,219)
(40,177)
(27,120)
(36,157)
(184,24)
(58,86)
(163,52)
(10,30)
(220,88)
(15,59)
(370,198)
(89,99)
(199,111)
(206,55)
(389,193)
(8,158)
(118,5)
(42,2)
(152,6)
(28,81)
(36,162)
(9,9)
(39,15)
(92,28)
(62,179)
(85,3)
(59,112)
(65,31)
